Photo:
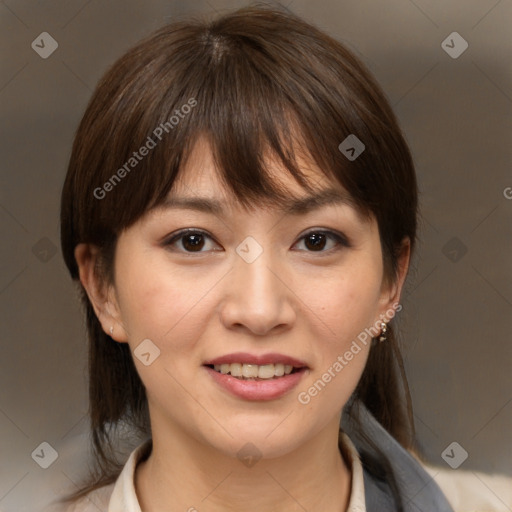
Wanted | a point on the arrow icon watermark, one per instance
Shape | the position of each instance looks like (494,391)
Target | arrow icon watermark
(44,45)
(454,45)
(146,352)
(351,147)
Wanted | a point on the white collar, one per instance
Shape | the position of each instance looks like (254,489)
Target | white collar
(124,497)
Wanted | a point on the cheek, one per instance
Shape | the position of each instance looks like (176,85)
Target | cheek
(349,303)
(169,308)
(346,306)
(161,303)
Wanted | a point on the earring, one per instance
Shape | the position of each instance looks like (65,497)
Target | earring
(111,330)
(383,332)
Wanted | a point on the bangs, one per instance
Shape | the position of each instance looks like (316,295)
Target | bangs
(244,108)
(248,142)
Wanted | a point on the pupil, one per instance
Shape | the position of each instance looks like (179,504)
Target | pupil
(317,239)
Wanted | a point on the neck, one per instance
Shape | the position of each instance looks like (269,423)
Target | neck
(182,474)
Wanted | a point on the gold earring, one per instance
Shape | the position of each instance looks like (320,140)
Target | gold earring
(383,331)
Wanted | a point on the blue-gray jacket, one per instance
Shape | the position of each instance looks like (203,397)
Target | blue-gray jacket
(417,489)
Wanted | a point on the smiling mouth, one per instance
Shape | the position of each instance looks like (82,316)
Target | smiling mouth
(255,372)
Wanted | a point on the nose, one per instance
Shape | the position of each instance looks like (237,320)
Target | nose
(257,297)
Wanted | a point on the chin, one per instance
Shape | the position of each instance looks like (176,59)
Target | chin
(257,442)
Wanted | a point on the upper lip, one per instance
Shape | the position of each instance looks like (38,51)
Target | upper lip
(244,357)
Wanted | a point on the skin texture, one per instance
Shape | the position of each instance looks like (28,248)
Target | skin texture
(295,300)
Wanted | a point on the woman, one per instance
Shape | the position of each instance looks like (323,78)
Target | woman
(240,211)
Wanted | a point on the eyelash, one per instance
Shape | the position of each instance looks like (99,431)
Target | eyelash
(340,239)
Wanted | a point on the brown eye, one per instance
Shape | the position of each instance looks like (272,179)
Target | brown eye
(189,241)
(324,241)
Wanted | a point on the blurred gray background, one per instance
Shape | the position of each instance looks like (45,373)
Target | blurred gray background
(455,109)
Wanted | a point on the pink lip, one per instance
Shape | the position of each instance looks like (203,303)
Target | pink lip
(256,389)
(244,357)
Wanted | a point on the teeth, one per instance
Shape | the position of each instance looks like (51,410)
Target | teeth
(249,371)
(252,371)
(266,371)
(279,370)
(235,369)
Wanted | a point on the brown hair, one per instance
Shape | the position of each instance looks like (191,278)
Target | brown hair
(258,81)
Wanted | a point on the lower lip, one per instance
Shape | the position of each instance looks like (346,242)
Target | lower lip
(257,389)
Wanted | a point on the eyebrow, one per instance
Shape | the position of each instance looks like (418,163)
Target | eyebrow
(292,206)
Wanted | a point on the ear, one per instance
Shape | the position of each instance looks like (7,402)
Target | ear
(101,293)
(392,288)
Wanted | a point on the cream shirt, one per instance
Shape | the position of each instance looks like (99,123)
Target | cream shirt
(121,496)
(466,491)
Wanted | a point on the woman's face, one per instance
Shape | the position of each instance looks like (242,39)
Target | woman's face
(265,283)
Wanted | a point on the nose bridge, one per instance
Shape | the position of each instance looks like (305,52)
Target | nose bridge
(253,269)
(256,297)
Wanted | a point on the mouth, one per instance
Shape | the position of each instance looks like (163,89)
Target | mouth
(254,372)
(256,377)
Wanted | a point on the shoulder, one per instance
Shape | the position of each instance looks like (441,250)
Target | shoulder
(473,491)
(95,501)
(115,495)
(391,473)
